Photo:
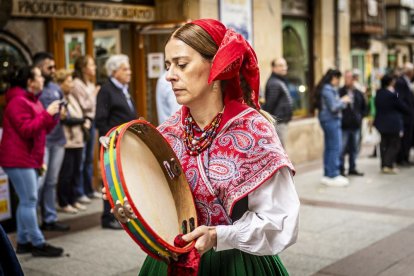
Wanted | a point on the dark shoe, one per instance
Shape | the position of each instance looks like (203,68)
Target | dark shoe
(113,224)
(47,250)
(404,164)
(55,226)
(342,173)
(356,173)
(24,248)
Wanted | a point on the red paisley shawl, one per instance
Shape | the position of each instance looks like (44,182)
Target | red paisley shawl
(245,154)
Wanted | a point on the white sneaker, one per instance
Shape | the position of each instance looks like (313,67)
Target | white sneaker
(343,179)
(84,200)
(79,206)
(338,181)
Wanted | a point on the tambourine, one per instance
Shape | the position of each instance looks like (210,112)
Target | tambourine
(147,188)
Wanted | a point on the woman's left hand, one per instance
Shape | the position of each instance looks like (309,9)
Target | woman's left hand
(206,238)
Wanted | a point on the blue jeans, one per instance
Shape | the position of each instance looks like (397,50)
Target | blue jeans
(25,181)
(85,182)
(47,193)
(333,145)
(350,146)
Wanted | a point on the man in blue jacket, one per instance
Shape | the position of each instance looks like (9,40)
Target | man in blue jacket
(55,147)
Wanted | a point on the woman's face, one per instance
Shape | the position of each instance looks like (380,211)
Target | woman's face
(90,68)
(335,81)
(67,85)
(188,73)
(36,84)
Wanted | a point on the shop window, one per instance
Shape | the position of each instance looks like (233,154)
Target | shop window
(12,56)
(358,62)
(109,39)
(296,52)
(376,60)
(391,61)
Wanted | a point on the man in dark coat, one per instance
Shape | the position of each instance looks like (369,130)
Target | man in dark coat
(403,88)
(351,124)
(114,106)
(278,99)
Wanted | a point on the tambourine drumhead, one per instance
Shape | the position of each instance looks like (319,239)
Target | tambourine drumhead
(148,187)
(141,170)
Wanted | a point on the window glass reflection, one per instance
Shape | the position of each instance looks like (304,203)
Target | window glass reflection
(10,60)
(296,53)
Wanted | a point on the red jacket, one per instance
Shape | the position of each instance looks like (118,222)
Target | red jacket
(25,125)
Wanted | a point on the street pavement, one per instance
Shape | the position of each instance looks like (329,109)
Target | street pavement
(365,229)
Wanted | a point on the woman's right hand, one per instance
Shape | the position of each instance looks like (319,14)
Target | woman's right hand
(53,108)
(345,99)
(104,194)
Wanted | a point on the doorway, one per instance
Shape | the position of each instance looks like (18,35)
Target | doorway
(151,41)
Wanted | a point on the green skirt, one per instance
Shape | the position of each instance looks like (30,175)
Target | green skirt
(228,262)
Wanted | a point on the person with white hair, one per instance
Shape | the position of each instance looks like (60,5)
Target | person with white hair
(405,94)
(114,106)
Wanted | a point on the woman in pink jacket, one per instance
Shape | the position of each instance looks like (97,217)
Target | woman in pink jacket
(25,125)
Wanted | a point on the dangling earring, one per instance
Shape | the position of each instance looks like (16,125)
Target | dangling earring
(216,86)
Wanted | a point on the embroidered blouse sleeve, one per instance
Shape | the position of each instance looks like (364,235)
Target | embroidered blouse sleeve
(271,223)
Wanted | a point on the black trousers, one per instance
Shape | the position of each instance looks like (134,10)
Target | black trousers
(69,177)
(107,216)
(389,146)
(404,153)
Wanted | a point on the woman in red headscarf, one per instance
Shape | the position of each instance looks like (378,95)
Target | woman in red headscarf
(239,173)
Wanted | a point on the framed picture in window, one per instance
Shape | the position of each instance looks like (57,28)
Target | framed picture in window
(106,42)
(238,15)
(75,46)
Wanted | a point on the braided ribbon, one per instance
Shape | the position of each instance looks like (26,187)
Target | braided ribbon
(234,56)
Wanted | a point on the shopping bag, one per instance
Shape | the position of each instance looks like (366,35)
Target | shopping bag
(370,135)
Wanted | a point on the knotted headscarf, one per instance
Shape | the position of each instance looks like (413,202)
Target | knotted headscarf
(234,56)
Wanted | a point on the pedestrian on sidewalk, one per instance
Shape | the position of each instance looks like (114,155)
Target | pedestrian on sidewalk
(249,214)
(403,87)
(351,123)
(389,122)
(54,151)
(73,121)
(330,107)
(85,91)
(278,100)
(114,106)
(25,125)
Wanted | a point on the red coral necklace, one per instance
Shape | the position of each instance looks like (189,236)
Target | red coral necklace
(197,144)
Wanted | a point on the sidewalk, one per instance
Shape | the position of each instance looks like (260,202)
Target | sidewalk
(364,229)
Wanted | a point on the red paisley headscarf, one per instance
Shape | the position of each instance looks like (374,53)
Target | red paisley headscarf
(234,56)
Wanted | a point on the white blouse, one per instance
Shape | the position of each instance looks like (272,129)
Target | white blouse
(271,223)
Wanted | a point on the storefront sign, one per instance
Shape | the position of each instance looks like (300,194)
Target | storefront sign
(5,210)
(82,10)
(155,65)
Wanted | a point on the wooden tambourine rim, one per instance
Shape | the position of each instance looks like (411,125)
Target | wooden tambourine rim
(159,239)
(144,246)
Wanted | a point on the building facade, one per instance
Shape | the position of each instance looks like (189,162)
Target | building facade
(312,35)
